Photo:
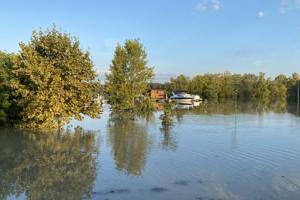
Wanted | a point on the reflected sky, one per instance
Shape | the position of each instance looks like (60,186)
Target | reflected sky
(214,151)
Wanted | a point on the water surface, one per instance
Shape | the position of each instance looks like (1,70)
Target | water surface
(216,151)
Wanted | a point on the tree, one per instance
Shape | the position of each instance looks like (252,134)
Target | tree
(228,88)
(53,81)
(129,76)
(180,83)
(197,85)
(292,86)
(167,122)
(278,88)
(5,67)
(247,86)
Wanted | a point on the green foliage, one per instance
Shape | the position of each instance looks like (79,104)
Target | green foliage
(53,81)
(167,116)
(180,83)
(261,88)
(292,86)
(5,67)
(167,122)
(127,82)
(278,88)
(232,86)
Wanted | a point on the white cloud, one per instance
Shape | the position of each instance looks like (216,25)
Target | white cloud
(204,5)
(283,6)
(216,4)
(288,4)
(201,6)
(260,14)
(284,2)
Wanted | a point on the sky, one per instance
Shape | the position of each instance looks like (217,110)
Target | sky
(180,36)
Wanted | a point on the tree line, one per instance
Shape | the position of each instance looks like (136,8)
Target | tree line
(230,86)
(52,80)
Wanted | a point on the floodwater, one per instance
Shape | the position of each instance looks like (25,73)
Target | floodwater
(212,152)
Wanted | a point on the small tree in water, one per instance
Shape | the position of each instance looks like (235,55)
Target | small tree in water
(127,82)
(53,81)
(167,117)
(169,139)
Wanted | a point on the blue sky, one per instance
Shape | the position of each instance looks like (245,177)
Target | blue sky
(181,36)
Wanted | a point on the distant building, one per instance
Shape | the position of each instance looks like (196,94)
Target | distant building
(158,94)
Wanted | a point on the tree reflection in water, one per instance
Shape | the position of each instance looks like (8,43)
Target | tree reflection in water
(130,142)
(167,123)
(47,166)
(233,107)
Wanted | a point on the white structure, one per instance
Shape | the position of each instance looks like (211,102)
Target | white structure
(197,98)
(182,98)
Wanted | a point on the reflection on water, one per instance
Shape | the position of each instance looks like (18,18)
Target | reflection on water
(232,107)
(226,150)
(130,144)
(47,166)
(167,123)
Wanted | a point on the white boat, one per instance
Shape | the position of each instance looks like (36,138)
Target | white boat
(197,98)
(182,98)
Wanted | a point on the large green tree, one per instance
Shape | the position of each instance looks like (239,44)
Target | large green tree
(5,67)
(53,81)
(129,76)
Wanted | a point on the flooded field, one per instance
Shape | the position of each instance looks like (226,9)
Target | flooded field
(210,152)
